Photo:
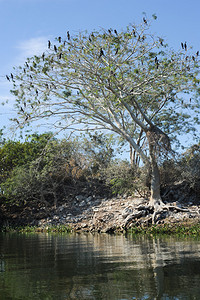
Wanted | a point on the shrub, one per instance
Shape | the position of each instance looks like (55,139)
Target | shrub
(125,179)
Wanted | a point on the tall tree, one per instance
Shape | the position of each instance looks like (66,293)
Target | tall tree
(128,82)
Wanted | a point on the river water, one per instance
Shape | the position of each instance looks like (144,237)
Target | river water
(100,266)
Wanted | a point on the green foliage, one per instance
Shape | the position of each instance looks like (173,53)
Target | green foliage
(185,169)
(190,165)
(97,148)
(125,179)
(168,229)
(120,81)
(15,153)
(50,169)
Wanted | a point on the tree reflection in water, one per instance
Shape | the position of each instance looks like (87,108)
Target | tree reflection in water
(86,266)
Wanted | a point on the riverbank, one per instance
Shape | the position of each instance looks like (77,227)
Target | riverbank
(106,215)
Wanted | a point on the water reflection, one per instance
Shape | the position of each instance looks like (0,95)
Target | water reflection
(85,266)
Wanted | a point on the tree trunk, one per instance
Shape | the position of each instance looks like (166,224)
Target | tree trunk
(155,199)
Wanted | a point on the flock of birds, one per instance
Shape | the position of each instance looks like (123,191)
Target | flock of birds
(101,53)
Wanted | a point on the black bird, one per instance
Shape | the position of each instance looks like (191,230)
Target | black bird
(197,54)
(49,44)
(68,35)
(145,21)
(27,64)
(134,33)
(43,56)
(101,53)
(193,58)
(22,109)
(59,39)
(182,45)
(157,63)
(60,55)
(185,46)
(109,30)
(116,51)
(92,35)
(7,78)
(55,48)
(11,75)
(25,104)
(36,91)
(161,41)
(115,31)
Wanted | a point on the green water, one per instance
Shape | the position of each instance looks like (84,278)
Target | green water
(86,266)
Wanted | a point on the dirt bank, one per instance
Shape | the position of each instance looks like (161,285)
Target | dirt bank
(90,213)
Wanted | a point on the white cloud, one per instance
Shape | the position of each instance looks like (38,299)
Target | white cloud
(33,46)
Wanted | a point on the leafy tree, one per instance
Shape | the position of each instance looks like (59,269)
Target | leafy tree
(98,152)
(16,153)
(130,82)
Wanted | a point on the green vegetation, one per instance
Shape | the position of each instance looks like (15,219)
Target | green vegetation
(168,229)
(36,229)
(160,229)
(44,171)
(129,83)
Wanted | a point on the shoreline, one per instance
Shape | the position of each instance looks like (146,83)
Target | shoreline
(106,215)
(179,229)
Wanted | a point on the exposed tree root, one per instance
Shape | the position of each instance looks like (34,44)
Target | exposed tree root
(152,211)
(166,207)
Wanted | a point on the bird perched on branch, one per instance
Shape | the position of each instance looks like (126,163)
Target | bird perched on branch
(101,53)
(116,51)
(68,35)
(185,46)
(49,44)
(55,48)
(145,21)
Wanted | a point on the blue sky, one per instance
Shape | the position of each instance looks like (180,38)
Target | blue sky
(27,25)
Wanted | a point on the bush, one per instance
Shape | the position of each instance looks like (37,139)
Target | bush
(124,179)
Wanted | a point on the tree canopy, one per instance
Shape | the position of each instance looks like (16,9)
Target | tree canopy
(130,83)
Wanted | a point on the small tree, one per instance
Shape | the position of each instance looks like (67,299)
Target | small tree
(128,82)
